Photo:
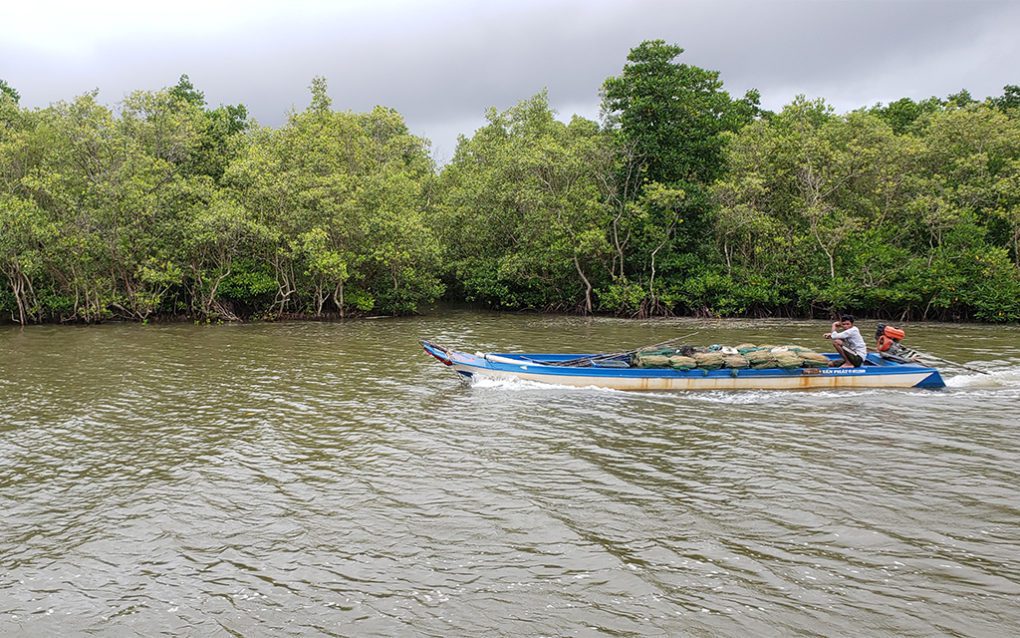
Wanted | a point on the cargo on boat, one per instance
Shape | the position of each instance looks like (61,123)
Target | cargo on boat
(626,371)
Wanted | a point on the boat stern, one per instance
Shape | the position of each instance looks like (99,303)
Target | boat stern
(932,382)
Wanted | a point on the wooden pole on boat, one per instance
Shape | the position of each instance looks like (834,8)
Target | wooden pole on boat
(603,357)
(952,363)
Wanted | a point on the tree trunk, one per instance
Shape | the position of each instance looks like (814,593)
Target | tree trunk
(210,301)
(16,288)
(587,287)
(338,298)
(651,277)
(618,245)
(320,299)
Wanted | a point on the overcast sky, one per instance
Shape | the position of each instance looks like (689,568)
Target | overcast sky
(442,63)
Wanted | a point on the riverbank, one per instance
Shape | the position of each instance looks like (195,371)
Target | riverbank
(448,306)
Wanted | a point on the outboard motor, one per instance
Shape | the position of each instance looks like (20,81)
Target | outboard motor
(887,336)
(888,344)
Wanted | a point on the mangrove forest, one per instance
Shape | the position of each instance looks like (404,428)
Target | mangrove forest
(680,200)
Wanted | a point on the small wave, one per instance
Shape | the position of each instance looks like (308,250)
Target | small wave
(1001,378)
(732,397)
(479,381)
(765,397)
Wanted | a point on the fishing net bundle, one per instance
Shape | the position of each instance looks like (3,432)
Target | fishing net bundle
(814,360)
(681,362)
(788,360)
(743,356)
(679,358)
(651,360)
(736,362)
(709,360)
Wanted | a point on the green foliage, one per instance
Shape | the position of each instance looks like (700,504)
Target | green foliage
(669,123)
(673,113)
(346,196)
(360,300)
(523,214)
(682,200)
(170,206)
(901,114)
(249,282)
(1009,101)
(8,304)
(960,100)
(8,92)
(622,297)
(915,218)
(185,91)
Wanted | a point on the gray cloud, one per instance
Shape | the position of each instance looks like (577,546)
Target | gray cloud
(443,64)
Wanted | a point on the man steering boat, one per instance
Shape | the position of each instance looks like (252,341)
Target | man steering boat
(849,343)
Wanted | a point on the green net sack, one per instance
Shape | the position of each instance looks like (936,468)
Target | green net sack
(709,360)
(760,359)
(787,360)
(814,360)
(680,362)
(651,360)
(755,357)
(736,361)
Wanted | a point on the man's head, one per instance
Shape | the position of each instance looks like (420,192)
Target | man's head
(847,321)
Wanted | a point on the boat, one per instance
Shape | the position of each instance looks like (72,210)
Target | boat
(615,372)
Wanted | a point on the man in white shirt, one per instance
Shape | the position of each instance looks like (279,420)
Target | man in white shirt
(848,342)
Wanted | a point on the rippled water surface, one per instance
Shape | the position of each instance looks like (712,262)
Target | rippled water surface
(303,479)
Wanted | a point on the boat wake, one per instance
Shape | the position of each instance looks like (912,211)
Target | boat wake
(483,382)
(1000,378)
(732,397)
(780,397)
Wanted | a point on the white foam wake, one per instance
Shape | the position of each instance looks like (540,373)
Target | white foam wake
(480,381)
(1000,378)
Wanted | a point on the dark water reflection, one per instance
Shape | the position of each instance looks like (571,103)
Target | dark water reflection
(330,479)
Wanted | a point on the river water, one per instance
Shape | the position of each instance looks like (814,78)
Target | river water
(321,479)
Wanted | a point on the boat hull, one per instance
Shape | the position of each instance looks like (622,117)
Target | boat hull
(878,373)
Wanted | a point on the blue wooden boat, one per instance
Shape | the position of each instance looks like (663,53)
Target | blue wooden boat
(877,372)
